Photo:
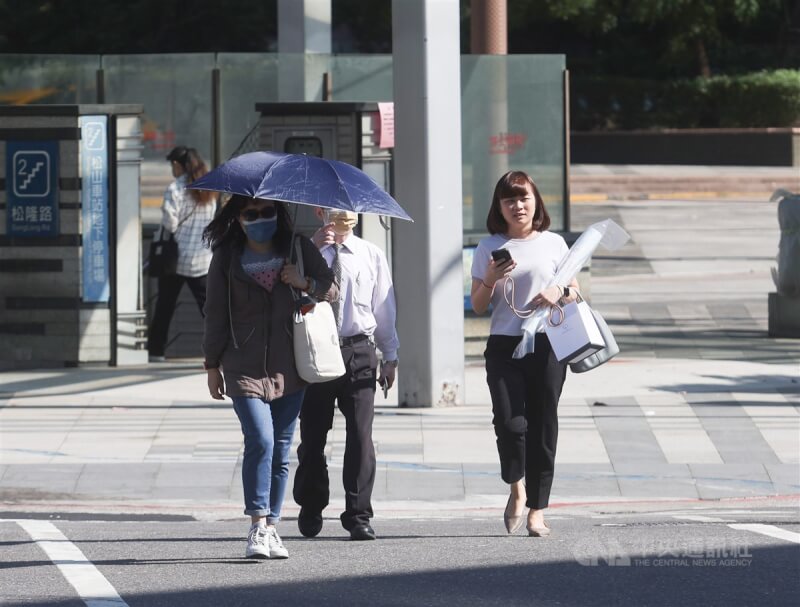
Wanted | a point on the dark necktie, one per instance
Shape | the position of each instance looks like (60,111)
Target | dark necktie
(336,266)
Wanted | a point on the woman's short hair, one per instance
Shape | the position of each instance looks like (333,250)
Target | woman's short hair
(511,184)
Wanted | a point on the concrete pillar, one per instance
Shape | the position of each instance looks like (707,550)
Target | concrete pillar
(129,305)
(428,253)
(304,29)
(489,27)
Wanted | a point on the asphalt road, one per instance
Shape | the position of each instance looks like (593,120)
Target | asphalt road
(614,554)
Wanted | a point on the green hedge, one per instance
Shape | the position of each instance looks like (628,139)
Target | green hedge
(760,99)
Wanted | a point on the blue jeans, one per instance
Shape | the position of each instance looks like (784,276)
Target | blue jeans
(268,428)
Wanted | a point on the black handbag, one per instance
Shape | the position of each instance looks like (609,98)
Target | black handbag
(163,260)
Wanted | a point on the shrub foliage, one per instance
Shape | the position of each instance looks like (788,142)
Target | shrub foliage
(759,99)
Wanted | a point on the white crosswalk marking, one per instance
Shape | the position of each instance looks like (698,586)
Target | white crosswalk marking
(702,519)
(92,587)
(770,530)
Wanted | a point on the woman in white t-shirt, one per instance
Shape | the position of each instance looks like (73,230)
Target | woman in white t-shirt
(524,391)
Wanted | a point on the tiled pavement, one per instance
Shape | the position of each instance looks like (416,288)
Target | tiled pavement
(700,404)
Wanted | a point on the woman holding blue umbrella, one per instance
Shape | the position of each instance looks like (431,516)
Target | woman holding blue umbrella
(248,346)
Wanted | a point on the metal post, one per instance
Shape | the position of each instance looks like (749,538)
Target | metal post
(216,118)
(100,85)
(566,211)
(327,87)
(111,146)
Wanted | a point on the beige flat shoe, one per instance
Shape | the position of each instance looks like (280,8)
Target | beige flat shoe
(513,523)
(539,531)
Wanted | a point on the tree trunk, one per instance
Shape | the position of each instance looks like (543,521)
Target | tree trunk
(790,28)
(702,58)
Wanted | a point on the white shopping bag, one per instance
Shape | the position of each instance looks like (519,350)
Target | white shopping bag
(605,233)
(577,335)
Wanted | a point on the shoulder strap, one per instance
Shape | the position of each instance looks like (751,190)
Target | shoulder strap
(180,223)
(299,253)
(185,219)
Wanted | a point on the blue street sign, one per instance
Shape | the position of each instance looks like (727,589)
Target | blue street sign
(32,188)
(94,208)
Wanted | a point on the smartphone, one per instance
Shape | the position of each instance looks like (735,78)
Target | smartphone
(385,386)
(501,256)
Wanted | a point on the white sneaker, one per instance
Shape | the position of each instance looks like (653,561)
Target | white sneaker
(276,548)
(257,546)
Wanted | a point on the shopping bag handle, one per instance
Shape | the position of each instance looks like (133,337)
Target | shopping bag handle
(508,294)
(560,309)
(555,308)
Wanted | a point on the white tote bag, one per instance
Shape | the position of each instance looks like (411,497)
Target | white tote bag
(316,345)
(317,355)
(573,333)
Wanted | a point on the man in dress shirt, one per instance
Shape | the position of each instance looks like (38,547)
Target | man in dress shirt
(366,314)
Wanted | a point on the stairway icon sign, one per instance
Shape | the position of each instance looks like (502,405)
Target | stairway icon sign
(94,136)
(31,176)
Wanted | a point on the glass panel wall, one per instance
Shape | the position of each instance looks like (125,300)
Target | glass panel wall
(175,90)
(512,106)
(361,77)
(245,79)
(512,119)
(62,79)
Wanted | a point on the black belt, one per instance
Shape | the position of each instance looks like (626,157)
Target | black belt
(353,339)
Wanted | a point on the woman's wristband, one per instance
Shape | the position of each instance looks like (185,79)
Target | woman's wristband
(487,286)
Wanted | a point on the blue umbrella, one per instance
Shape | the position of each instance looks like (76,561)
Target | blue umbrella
(301,179)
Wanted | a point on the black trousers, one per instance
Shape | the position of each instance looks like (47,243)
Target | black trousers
(355,394)
(525,395)
(169,287)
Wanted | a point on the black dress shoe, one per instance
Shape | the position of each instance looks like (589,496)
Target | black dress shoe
(362,532)
(309,523)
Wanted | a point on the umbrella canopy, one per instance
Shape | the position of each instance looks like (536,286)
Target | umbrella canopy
(301,179)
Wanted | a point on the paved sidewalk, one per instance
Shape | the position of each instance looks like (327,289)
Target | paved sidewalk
(593,182)
(701,404)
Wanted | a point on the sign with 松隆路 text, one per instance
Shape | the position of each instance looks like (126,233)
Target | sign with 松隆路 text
(32,188)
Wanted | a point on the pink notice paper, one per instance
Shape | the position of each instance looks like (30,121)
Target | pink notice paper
(386,112)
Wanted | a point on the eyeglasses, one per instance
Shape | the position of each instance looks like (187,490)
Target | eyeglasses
(263,213)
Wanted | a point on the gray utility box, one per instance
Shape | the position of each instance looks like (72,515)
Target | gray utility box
(783,315)
(349,132)
(70,236)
